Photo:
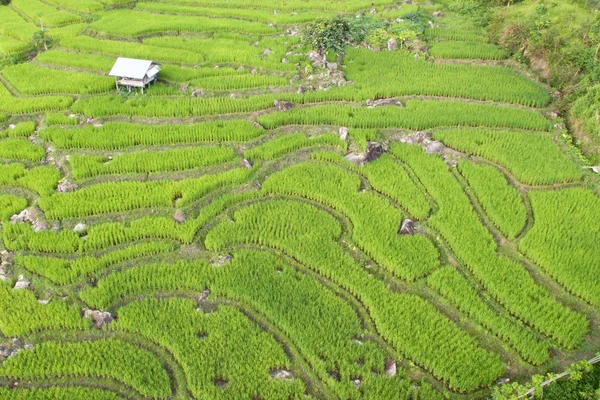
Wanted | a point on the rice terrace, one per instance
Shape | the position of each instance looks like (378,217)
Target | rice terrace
(299,199)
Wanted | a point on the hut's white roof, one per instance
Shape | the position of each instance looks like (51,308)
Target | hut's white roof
(130,68)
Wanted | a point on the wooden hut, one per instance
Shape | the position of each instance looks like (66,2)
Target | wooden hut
(130,72)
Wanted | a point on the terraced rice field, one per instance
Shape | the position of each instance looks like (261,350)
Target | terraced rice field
(195,242)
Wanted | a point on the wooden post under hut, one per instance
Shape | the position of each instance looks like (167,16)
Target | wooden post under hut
(130,72)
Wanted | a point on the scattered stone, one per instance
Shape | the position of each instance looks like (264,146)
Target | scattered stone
(12,347)
(283,105)
(222,260)
(89,120)
(203,296)
(354,158)
(285,60)
(407,227)
(80,228)
(332,66)
(553,114)
(275,12)
(22,283)
(424,49)
(281,374)
(254,72)
(315,58)
(32,215)
(217,67)
(110,158)
(240,68)
(293,31)
(99,318)
(179,216)
(357,382)
(343,132)
(72,115)
(384,102)
(301,89)
(373,10)
(267,51)
(43,302)
(374,151)
(431,25)
(185,88)
(257,125)
(437,14)
(12,126)
(246,164)
(390,368)
(197,92)
(392,44)
(434,147)
(3,274)
(98,125)
(65,186)
(502,381)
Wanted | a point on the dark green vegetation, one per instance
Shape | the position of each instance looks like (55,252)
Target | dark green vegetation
(204,241)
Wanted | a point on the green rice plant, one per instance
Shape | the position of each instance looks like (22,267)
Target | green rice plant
(63,270)
(463,35)
(43,179)
(131,49)
(290,5)
(324,329)
(22,237)
(33,79)
(58,393)
(67,31)
(266,16)
(10,45)
(501,201)
(224,345)
(231,51)
(60,119)
(92,62)
(112,197)
(408,257)
(391,74)
(564,239)
(121,135)
(22,129)
(239,82)
(136,367)
(23,314)
(467,50)
(13,25)
(417,114)
(20,149)
(146,161)
(79,5)
(309,235)
(289,143)
(176,73)
(25,105)
(391,178)
(10,205)
(532,157)
(459,292)
(117,22)
(39,11)
(116,233)
(507,281)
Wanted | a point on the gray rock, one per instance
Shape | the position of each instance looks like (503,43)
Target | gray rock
(332,66)
(22,283)
(502,381)
(204,295)
(283,105)
(285,60)
(343,132)
(390,368)
(281,374)
(99,318)
(374,151)
(12,126)
(80,228)
(392,44)
(246,164)
(267,51)
(437,14)
(434,147)
(407,227)
(385,102)
(179,216)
